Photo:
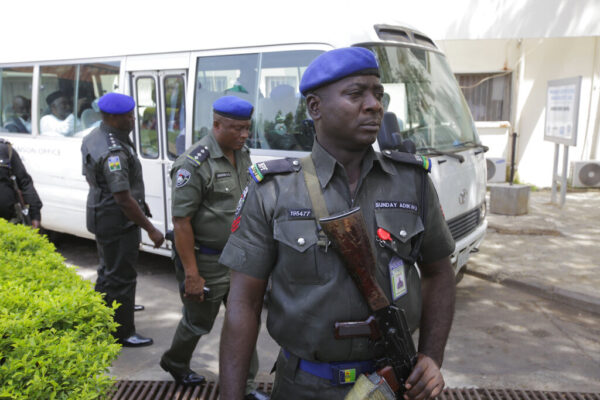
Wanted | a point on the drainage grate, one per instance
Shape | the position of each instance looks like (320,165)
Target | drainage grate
(513,394)
(168,390)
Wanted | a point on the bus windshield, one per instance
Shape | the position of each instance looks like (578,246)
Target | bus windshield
(421,90)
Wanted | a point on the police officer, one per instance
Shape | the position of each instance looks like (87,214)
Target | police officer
(276,237)
(116,209)
(208,180)
(14,179)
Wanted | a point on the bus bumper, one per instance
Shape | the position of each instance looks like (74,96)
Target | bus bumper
(467,245)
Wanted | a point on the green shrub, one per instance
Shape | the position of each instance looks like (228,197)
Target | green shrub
(55,340)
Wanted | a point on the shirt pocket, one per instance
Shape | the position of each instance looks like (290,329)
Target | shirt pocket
(222,194)
(403,226)
(297,250)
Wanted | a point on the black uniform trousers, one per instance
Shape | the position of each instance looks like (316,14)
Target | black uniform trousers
(117,276)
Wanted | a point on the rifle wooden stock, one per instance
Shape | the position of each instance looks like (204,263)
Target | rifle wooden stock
(23,208)
(348,232)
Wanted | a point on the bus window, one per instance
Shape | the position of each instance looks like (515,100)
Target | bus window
(15,99)
(282,114)
(219,76)
(68,96)
(175,115)
(147,118)
(270,82)
(421,91)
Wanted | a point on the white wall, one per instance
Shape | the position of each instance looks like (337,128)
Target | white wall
(533,62)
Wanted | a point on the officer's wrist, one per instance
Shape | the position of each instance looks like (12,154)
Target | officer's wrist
(192,275)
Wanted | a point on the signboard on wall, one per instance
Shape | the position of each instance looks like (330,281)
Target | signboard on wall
(562,111)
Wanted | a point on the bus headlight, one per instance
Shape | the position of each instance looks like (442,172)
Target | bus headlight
(482,211)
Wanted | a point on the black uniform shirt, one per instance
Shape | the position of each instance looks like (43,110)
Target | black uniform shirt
(311,290)
(110,165)
(8,197)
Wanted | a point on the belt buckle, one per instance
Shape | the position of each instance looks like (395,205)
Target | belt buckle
(343,374)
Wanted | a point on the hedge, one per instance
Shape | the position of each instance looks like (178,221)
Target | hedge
(55,340)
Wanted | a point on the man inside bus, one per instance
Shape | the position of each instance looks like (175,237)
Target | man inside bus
(116,210)
(275,238)
(61,120)
(20,122)
(208,181)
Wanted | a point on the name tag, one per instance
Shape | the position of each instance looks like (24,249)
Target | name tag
(397,278)
(403,205)
(300,213)
(220,175)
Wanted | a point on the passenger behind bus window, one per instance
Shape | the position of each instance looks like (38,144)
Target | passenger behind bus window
(90,116)
(61,120)
(285,116)
(20,122)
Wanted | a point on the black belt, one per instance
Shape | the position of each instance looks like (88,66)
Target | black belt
(206,250)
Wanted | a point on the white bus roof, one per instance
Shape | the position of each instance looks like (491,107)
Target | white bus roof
(118,28)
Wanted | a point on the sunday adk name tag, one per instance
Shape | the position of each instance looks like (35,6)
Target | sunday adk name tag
(397,278)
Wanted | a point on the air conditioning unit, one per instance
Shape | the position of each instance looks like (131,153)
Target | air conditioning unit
(496,169)
(585,173)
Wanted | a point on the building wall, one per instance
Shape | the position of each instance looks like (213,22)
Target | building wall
(533,63)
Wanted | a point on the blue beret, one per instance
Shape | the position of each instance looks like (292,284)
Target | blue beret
(337,64)
(233,107)
(116,103)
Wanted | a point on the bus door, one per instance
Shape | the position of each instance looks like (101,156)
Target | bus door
(159,136)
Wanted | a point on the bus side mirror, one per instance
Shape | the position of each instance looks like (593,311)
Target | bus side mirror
(389,137)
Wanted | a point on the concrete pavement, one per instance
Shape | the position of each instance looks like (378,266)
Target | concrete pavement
(551,252)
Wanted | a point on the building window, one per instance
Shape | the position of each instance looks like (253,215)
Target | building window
(488,95)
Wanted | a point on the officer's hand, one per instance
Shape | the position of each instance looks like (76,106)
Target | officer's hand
(425,381)
(157,237)
(194,287)
(35,223)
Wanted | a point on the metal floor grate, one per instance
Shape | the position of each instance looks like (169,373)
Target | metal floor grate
(168,390)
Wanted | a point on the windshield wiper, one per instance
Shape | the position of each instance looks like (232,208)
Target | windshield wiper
(473,144)
(432,150)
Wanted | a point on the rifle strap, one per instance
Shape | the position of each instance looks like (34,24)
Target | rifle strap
(316,196)
(10,150)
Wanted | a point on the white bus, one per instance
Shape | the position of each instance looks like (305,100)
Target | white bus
(174,92)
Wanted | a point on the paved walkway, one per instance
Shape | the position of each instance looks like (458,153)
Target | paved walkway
(553,252)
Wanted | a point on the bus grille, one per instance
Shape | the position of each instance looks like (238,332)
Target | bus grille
(464,224)
(169,390)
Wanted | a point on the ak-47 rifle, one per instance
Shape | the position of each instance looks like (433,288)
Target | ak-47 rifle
(21,208)
(387,327)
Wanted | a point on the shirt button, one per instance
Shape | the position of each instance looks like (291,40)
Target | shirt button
(301,242)
(403,233)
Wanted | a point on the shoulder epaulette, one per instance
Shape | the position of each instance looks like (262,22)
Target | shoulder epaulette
(113,145)
(198,155)
(259,170)
(409,158)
